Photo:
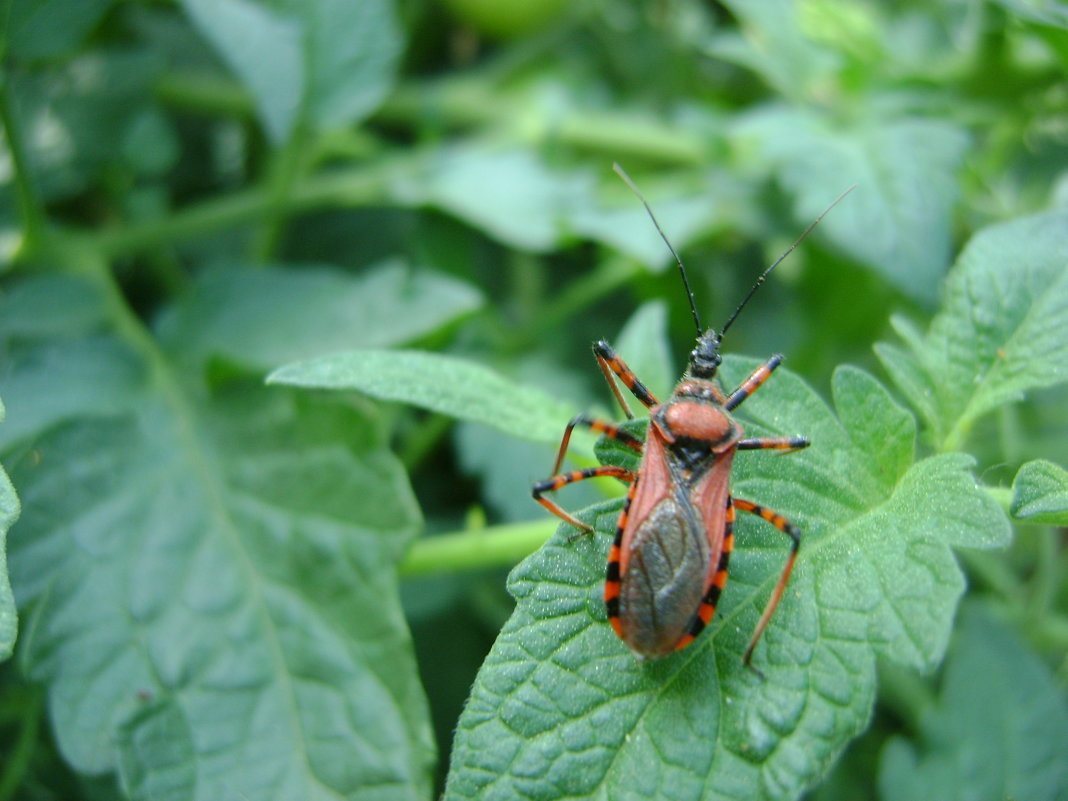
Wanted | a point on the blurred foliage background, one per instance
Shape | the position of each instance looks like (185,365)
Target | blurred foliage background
(194,193)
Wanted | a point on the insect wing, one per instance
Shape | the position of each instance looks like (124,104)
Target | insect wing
(663,556)
(709,496)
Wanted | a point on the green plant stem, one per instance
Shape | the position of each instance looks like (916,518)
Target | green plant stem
(364,185)
(422,440)
(904,691)
(1044,583)
(497,546)
(993,571)
(1003,496)
(610,275)
(30,209)
(17,760)
(286,166)
(470,100)
(206,94)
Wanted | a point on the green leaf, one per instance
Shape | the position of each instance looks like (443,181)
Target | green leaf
(509,193)
(269,316)
(327,63)
(1002,329)
(213,589)
(898,218)
(775,45)
(444,384)
(79,111)
(999,729)
(9,513)
(624,224)
(49,29)
(561,709)
(353,51)
(264,48)
(1040,493)
(59,362)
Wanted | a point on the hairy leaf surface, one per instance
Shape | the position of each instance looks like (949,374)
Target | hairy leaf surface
(562,709)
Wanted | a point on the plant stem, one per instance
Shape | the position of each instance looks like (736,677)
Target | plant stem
(17,760)
(364,185)
(904,691)
(286,164)
(497,546)
(30,210)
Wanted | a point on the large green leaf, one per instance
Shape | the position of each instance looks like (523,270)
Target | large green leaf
(508,192)
(898,219)
(88,118)
(326,62)
(772,40)
(352,51)
(1002,329)
(211,589)
(999,729)
(43,29)
(264,49)
(444,384)
(562,709)
(269,316)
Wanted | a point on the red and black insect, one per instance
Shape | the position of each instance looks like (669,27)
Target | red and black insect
(668,563)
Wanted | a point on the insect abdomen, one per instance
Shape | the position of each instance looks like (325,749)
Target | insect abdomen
(664,582)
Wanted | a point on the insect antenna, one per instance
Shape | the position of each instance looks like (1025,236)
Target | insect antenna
(682,270)
(764,275)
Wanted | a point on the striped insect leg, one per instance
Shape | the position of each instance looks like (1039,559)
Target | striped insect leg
(611,363)
(794,533)
(610,430)
(752,384)
(719,580)
(563,479)
(784,444)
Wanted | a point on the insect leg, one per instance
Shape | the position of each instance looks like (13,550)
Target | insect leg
(751,384)
(608,429)
(556,482)
(785,444)
(611,363)
(794,533)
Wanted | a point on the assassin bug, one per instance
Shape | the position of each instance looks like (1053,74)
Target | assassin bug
(668,562)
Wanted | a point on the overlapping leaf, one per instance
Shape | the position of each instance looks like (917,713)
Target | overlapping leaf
(444,384)
(1040,493)
(999,730)
(561,709)
(1002,330)
(327,62)
(265,317)
(898,219)
(213,591)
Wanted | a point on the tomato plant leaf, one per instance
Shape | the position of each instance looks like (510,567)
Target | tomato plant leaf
(457,387)
(998,730)
(1002,329)
(212,579)
(263,48)
(326,62)
(269,316)
(1040,493)
(561,708)
(898,219)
